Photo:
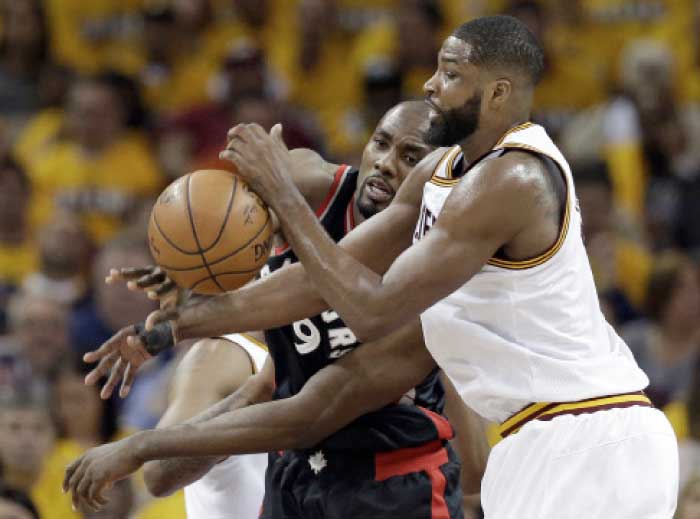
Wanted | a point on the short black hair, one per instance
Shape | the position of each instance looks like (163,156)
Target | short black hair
(503,41)
(19,498)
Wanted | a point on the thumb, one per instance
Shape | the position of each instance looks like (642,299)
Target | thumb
(276,134)
(159,316)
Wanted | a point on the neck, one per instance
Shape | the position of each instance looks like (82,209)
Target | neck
(356,213)
(484,139)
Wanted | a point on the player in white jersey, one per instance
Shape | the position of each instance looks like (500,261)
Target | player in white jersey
(211,370)
(503,287)
(501,284)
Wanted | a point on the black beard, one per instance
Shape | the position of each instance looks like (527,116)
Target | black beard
(456,124)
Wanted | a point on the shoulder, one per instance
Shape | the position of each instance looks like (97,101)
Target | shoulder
(312,174)
(516,173)
(221,362)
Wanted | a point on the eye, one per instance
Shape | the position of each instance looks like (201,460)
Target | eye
(450,75)
(381,143)
(411,160)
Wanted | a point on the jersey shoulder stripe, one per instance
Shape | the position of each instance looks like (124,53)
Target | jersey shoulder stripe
(338,180)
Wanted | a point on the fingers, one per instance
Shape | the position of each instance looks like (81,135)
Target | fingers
(159,316)
(70,469)
(110,345)
(114,377)
(156,277)
(158,291)
(74,480)
(102,370)
(127,381)
(127,274)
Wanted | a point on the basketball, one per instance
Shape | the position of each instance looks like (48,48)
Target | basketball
(210,232)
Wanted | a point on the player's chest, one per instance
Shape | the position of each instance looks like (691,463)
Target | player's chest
(318,339)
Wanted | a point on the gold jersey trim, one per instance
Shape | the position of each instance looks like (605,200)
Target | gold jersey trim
(547,410)
(563,229)
(514,129)
(448,159)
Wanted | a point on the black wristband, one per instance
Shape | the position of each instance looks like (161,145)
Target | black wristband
(159,339)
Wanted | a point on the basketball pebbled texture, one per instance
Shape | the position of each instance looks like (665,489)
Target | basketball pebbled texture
(210,232)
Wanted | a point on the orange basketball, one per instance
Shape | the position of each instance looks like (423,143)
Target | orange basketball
(210,232)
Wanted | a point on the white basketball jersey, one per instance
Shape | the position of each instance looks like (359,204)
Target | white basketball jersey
(528,331)
(235,487)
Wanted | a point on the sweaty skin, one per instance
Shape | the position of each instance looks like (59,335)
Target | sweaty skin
(370,377)
(472,226)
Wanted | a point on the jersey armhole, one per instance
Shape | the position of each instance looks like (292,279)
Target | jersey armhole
(541,258)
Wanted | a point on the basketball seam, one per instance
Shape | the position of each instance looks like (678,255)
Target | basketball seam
(219,260)
(196,238)
(239,249)
(228,213)
(170,242)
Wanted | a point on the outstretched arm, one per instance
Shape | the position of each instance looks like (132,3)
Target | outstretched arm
(489,207)
(276,300)
(283,297)
(211,370)
(364,380)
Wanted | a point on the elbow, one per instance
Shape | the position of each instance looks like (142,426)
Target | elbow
(156,481)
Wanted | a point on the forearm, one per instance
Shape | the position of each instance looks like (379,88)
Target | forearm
(276,300)
(364,380)
(353,290)
(165,476)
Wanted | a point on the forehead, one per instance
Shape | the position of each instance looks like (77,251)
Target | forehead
(455,50)
(408,125)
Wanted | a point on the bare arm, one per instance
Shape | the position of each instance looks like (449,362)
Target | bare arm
(469,442)
(362,381)
(472,226)
(211,370)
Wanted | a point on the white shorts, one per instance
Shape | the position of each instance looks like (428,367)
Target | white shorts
(612,464)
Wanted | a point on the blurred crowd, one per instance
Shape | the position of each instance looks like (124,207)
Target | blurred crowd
(102,103)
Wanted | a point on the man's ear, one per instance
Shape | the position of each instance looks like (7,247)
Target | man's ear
(499,91)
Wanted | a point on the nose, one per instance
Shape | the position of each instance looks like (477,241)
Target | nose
(386,165)
(430,86)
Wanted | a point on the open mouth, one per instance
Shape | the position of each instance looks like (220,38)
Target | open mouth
(379,191)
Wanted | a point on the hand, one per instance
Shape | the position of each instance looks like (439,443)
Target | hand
(123,354)
(151,279)
(88,477)
(262,159)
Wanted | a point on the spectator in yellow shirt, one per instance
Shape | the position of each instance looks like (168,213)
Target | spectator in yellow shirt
(26,438)
(83,420)
(102,171)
